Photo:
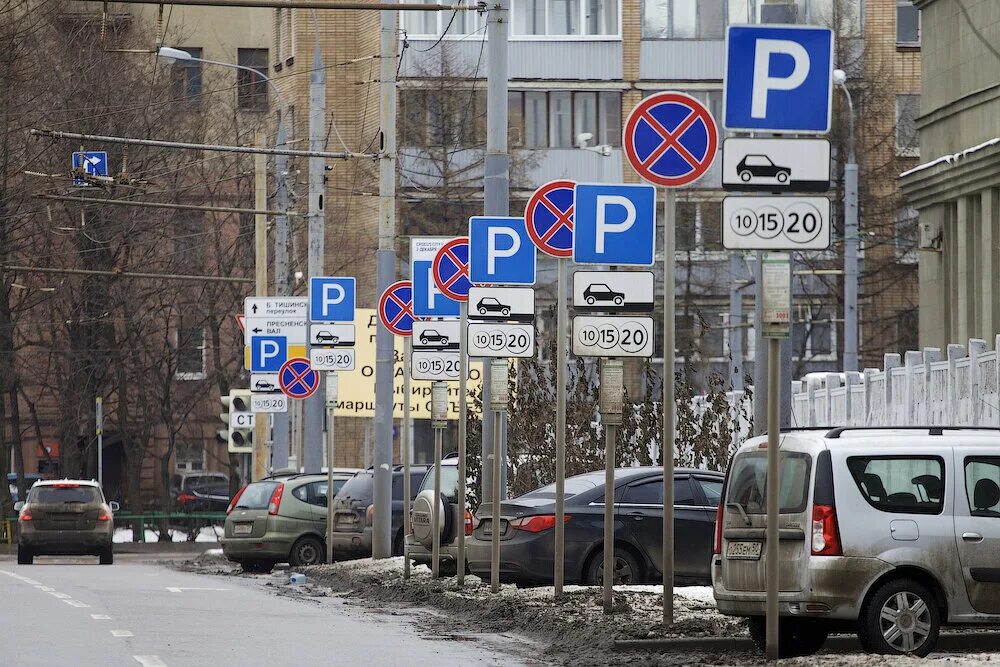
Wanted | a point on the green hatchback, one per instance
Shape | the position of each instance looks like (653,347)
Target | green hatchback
(280,519)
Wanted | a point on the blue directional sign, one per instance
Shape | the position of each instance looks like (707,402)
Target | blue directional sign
(92,163)
(615,224)
(268,353)
(778,78)
(500,251)
(331,299)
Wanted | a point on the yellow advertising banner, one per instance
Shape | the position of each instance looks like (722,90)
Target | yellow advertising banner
(356,390)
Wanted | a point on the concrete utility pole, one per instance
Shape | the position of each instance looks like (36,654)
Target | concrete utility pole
(260,454)
(386,274)
(314,408)
(850,235)
(279,430)
(496,195)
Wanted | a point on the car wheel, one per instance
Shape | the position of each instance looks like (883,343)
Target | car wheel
(423,341)
(505,312)
(397,544)
(24,555)
(902,617)
(796,636)
(627,570)
(745,176)
(107,555)
(444,340)
(257,566)
(619,300)
(590,300)
(307,551)
(782,177)
(482,311)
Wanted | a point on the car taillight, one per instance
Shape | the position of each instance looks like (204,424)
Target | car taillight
(66,485)
(185,498)
(275,504)
(370,515)
(719,518)
(470,523)
(103,516)
(825,531)
(232,503)
(536,524)
(24,516)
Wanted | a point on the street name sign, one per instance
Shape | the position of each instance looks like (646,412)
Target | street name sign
(613,291)
(274,402)
(264,382)
(500,251)
(776,223)
(289,307)
(776,165)
(292,330)
(614,224)
(502,304)
(612,336)
(439,335)
(428,300)
(778,78)
(331,299)
(331,335)
(426,365)
(501,340)
(331,359)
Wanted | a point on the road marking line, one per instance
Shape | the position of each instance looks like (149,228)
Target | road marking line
(178,589)
(149,660)
(121,633)
(32,582)
(76,603)
(61,596)
(100,617)
(8,573)
(46,589)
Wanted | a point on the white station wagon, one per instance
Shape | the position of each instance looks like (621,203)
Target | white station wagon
(889,533)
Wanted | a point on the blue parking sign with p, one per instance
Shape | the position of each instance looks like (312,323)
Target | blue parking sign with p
(268,353)
(500,251)
(615,224)
(778,78)
(331,299)
(428,300)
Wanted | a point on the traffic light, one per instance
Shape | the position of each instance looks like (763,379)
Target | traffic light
(236,415)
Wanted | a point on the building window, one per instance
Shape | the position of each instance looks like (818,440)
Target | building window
(284,37)
(251,94)
(907,235)
(555,119)
(813,335)
(683,19)
(190,457)
(907,135)
(433,24)
(189,241)
(186,76)
(907,23)
(564,17)
(454,118)
(190,352)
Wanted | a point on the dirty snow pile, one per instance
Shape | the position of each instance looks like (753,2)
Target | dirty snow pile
(205,534)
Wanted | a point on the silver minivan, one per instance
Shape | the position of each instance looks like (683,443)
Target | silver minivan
(889,533)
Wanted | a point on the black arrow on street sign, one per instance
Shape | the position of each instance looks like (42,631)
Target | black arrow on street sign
(255,308)
(256,330)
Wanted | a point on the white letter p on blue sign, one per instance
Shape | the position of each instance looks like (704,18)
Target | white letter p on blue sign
(500,251)
(331,299)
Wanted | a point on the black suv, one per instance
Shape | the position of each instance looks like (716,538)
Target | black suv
(354,513)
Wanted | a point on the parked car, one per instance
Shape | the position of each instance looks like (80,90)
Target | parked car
(890,533)
(29,479)
(527,527)
(278,520)
(420,541)
(65,517)
(354,513)
(183,487)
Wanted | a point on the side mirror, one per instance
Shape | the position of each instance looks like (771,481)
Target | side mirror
(114,506)
(18,505)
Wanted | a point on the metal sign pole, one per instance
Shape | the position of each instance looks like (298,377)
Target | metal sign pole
(498,404)
(771,572)
(612,395)
(99,414)
(405,449)
(669,407)
(463,408)
(559,566)
(439,417)
(331,406)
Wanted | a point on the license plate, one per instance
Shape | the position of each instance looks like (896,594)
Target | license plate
(743,550)
(242,528)
(488,528)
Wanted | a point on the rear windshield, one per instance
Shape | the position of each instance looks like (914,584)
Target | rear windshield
(358,487)
(256,496)
(574,485)
(449,481)
(64,494)
(748,485)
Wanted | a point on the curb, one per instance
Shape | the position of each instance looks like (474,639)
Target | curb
(961,642)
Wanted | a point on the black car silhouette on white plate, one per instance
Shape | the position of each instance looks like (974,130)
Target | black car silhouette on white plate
(323,336)
(761,166)
(489,304)
(429,336)
(599,292)
(263,385)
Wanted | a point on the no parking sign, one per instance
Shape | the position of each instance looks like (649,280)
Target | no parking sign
(549,218)
(451,269)
(395,308)
(670,139)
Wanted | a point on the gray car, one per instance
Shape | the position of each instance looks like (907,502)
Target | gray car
(65,517)
(890,533)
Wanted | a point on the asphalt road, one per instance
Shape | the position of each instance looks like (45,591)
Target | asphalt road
(72,611)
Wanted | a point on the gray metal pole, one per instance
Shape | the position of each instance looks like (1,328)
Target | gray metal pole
(99,414)
(331,408)
(760,363)
(312,426)
(463,413)
(495,524)
(736,369)
(851,266)
(559,566)
(669,408)
(771,540)
(279,436)
(404,447)
(385,274)
(436,512)
(496,183)
(608,580)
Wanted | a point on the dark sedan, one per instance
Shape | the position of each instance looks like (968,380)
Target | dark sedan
(527,523)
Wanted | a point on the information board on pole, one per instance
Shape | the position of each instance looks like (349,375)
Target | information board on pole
(427,365)
(776,295)
(501,340)
(613,291)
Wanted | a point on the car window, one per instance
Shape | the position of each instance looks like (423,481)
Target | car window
(712,488)
(749,482)
(900,484)
(646,493)
(982,485)
(449,482)
(359,487)
(574,485)
(301,492)
(256,496)
(64,494)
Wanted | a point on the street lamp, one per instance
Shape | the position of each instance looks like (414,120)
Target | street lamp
(850,235)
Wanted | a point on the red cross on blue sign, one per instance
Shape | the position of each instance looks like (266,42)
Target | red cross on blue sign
(451,269)
(395,308)
(297,379)
(670,139)
(549,218)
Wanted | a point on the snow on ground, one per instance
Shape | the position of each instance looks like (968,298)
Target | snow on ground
(205,534)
